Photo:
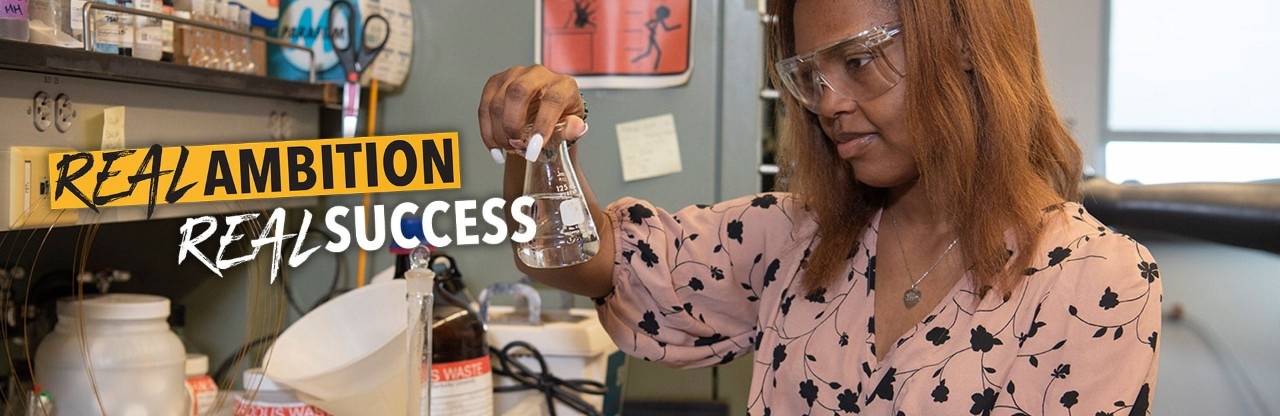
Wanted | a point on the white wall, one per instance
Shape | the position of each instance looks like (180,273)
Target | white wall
(1071,44)
(1229,293)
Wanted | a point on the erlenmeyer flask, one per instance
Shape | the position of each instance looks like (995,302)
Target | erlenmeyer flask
(565,235)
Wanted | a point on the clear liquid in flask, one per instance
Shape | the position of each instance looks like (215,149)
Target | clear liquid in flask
(565,233)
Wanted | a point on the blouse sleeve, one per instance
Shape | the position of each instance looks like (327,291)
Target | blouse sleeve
(1097,347)
(687,286)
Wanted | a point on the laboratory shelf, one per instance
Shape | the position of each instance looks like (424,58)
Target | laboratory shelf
(53,60)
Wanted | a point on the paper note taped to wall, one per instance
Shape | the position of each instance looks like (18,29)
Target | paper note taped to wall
(648,147)
(113,128)
(391,67)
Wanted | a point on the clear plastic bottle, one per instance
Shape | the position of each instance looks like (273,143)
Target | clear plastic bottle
(565,233)
(53,16)
(15,20)
(107,25)
(148,37)
(75,18)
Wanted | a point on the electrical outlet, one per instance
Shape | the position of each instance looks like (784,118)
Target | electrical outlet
(42,112)
(63,113)
(29,189)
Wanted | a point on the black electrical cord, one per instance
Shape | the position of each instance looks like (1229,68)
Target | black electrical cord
(339,266)
(554,388)
(226,363)
(340,262)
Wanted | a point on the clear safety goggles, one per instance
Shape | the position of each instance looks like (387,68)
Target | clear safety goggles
(855,68)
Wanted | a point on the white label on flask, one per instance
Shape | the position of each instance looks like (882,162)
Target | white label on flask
(462,388)
(571,212)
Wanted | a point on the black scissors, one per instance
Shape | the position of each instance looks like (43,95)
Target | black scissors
(355,57)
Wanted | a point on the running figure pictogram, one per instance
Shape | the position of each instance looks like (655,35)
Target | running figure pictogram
(659,19)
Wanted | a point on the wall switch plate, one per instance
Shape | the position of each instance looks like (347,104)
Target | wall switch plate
(30,189)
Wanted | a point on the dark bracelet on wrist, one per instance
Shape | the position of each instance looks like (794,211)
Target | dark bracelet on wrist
(585,112)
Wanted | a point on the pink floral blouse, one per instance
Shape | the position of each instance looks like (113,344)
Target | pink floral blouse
(712,283)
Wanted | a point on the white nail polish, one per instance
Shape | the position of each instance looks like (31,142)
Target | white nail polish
(585,127)
(535,147)
(498,155)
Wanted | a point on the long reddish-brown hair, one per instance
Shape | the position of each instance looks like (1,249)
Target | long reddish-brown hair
(991,150)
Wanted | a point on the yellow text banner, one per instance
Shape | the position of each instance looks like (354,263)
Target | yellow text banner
(239,171)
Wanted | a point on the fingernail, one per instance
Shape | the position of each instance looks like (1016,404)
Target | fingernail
(535,147)
(585,127)
(498,155)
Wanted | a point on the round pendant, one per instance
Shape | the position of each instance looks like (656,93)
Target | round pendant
(911,297)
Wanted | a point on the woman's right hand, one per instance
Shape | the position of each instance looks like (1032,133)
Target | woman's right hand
(524,95)
(534,94)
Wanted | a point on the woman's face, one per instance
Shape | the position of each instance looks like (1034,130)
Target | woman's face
(871,135)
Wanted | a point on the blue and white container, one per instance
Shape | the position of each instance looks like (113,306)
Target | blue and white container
(305,23)
(108,29)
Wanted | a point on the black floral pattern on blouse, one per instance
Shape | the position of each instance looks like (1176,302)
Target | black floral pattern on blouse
(1077,336)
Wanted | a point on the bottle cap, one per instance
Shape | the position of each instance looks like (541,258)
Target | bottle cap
(114,306)
(410,226)
(197,364)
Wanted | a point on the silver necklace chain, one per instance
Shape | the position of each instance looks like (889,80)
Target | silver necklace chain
(912,296)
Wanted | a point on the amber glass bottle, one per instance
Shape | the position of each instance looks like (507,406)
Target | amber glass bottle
(461,377)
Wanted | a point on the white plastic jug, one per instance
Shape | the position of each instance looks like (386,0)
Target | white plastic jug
(128,353)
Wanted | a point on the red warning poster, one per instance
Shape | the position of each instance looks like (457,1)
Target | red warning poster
(617,43)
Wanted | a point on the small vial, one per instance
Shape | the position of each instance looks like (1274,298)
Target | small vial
(565,233)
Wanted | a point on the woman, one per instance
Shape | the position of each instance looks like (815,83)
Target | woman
(928,260)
